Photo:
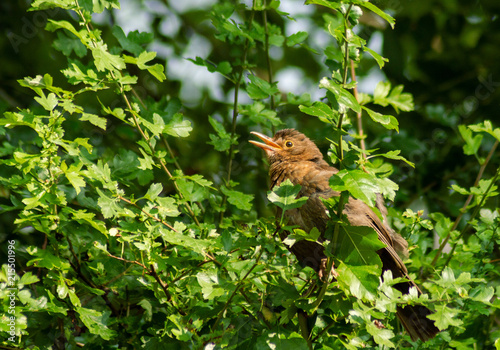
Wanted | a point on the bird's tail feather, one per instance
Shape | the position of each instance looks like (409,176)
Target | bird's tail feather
(415,321)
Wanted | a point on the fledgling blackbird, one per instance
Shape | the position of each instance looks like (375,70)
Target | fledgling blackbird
(295,157)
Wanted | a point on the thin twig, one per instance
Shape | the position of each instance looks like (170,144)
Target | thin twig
(167,145)
(358,115)
(330,325)
(163,285)
(127,261)
(149,215)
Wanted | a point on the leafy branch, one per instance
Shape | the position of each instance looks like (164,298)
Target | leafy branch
(465,206)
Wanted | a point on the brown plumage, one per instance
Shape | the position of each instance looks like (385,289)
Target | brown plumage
(295,157)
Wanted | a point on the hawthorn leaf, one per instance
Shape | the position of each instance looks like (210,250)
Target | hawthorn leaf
(361,281)
(239,199)
(285,196)
(445,316)
(178,126)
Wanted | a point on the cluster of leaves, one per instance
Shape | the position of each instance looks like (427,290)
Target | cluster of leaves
(126,247)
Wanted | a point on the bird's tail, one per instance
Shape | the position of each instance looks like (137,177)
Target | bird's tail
(415,321)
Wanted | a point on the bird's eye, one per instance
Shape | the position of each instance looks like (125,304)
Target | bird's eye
(289,144)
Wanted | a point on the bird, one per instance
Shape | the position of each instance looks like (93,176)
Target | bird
(292,155)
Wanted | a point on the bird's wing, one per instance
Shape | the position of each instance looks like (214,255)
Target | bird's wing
(360,214)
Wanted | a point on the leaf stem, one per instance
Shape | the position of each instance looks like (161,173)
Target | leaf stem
(148,214)
(359,114)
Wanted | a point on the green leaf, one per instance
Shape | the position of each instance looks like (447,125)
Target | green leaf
(95,321)
(375,9)
(81,216)
(382,90)
(460,190)
(344,97)
(282,341)
(156,70)
(191,190)
(387,121)
(222,141)
(398,99)
(178,126)
(472,144)
(94,119)
(285,196)
(133,42)
(395,155)
(223,68)
(108,205)
(45,259)
(49,102)
(74,175)
(28,278)
(67,45)
(199,179)
(445,317)
(334,5)
(167,206)
(483,294)
(196,245)
(487,127)
(322,111)
(209,283)
(381,336)
(362,185)
(74,298)
(105,61)
(259,114)
(259,89)
(358,245)
(442,225)
(238,199)
(147,162)
(361,281)
(153,191)
(380,60)
(33,202)
(156,127)
(300,235)
(482,189)
(54,25)
(49,4)
(296,38)
(387,187)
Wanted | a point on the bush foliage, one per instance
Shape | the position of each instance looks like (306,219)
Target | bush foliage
(135,212)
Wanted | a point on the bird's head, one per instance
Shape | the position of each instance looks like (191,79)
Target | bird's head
(288,145)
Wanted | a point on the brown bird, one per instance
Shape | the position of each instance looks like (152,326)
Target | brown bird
(295,157)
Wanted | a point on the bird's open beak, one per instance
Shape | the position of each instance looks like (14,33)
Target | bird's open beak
(268,146)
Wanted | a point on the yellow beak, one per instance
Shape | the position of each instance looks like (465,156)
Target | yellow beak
(268,145)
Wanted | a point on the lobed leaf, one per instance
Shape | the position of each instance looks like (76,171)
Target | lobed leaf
(285,196)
